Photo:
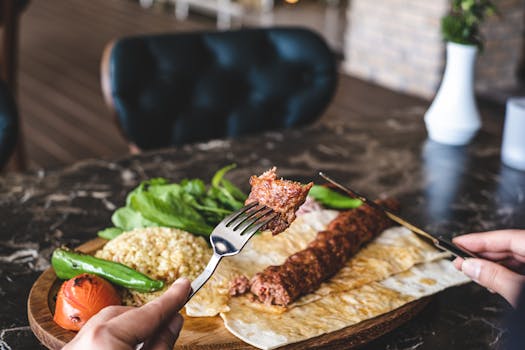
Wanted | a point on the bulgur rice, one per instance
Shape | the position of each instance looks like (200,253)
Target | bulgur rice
(161,253)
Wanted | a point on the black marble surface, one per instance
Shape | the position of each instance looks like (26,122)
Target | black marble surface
(446,190)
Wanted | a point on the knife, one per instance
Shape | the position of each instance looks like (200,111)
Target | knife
(440,243)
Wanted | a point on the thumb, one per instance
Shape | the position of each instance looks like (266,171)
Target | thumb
(495,277)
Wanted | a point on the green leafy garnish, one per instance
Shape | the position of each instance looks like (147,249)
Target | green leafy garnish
(189,205)
(110,232)
(332,199)
(127,219)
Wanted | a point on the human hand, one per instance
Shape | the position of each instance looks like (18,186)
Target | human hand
(157,324)
(503,274)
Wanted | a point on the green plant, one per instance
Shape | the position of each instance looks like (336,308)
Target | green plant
(462,24)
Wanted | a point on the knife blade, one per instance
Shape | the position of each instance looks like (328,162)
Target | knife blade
(440,243)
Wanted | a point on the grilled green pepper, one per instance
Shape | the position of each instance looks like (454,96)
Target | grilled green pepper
(68,264)
(333,199)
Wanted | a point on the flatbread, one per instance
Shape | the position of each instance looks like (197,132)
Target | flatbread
(394,269)
(395,250)
(338,310)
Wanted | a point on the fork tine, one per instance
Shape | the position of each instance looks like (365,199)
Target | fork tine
(244,216)
(256,227)
(253,219)
(236,214)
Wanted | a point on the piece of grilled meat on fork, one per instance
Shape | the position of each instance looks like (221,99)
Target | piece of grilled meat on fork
(283,196)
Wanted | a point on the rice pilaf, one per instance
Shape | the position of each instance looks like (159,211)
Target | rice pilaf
(161,253)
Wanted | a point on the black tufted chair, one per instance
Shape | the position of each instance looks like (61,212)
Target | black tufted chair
(174,89)
(8,124)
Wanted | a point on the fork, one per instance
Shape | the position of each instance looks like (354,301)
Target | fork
(231,235)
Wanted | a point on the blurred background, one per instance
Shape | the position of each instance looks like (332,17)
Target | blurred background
(57,47)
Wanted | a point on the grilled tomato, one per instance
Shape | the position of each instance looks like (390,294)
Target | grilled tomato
(82,297)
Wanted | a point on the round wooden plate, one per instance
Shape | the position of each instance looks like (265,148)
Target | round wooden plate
(208,332)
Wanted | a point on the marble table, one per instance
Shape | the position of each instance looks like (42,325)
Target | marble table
(446,190)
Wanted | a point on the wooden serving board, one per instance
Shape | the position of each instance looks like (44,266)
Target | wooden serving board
(208,332)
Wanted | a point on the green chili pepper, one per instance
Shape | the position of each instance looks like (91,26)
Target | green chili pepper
(68,264)
(332,199)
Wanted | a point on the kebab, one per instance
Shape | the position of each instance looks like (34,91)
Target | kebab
(304,271)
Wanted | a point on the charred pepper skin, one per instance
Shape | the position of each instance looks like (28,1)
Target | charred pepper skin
(68,264)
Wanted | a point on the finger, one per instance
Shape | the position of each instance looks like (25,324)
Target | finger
(110,312)
(458,262)
(99,319)
(104,315)
(500,256)
(138,324)
(494,277)
(494,241)
(495,256)
(514,265)
(167,337)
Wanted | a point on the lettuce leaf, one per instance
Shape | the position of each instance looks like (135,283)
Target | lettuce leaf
(189,205)
(128,219)
(110,233)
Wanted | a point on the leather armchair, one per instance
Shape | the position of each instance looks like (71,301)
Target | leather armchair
(172,89)
(8,124)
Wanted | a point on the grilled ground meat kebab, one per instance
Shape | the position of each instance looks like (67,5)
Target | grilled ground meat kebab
(283,196)
(305,270)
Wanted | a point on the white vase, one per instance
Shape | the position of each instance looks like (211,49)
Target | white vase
(453,116)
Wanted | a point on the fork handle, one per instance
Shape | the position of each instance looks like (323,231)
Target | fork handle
(205,275)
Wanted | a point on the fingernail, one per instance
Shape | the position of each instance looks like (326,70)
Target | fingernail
(471,268)
(176,324)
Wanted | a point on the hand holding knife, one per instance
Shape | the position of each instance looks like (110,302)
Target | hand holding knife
(440,243)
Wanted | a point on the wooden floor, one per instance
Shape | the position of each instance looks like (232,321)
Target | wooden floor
(63,114)
(61,106)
